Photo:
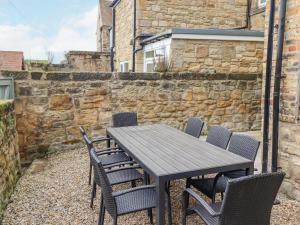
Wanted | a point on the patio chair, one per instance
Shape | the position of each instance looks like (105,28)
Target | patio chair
(242,145)
(121,202)
(124,119)
(107,156)
(219,136)
(194,127)
(248,200)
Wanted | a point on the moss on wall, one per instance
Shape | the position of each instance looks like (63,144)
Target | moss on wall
(9,154)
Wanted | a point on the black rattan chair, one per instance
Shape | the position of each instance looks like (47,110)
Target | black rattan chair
(242,145)
(248,200)
(92,141)
(121,202)
(124,119)
(219,136)
(107,156)
(194,127)
(118,173)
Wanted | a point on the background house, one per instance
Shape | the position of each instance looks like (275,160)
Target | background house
(289,129)
(143,35)
(11,60)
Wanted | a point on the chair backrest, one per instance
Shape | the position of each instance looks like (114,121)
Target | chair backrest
(124,119)
(88,142)
(102,179)
(244,146)
(194,127)
(82,131)
(219,136)
(249,200)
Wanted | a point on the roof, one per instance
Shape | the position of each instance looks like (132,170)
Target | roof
(11,60)
(211,32)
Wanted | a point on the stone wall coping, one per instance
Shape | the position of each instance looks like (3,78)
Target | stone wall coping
(94,76)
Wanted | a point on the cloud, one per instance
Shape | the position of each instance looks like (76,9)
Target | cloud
(74,33)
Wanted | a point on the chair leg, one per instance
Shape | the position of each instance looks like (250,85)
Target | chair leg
(90,173)
(100,211)
(102,216)
(115,221)
(133,184)
(222,195)
(150,215)
(93,193)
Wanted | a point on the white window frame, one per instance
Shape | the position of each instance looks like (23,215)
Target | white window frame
(262,3)
(163,44)
(122,66)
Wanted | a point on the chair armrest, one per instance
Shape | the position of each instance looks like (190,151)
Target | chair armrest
(123,192)
(119,164)
(202,202)
(123,168)
(100,139)
(109,151)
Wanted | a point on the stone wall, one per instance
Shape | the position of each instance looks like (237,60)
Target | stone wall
(9,154)
(217,56)
(50,107)
(257,16)
(123,33)
(156,16)
(87,61)
(289,131)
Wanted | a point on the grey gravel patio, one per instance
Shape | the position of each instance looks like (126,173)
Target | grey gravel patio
(55,191)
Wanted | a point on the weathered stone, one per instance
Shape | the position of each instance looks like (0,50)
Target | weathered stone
(60,102)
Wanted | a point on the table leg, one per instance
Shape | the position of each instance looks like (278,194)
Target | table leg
(250,170)
(160,201)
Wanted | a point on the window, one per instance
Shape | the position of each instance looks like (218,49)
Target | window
(156,55)
(124,67)
(262,3)
(7,88)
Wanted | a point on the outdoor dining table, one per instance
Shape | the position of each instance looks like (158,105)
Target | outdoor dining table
(166,154)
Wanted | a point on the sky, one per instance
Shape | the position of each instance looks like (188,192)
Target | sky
(38,27)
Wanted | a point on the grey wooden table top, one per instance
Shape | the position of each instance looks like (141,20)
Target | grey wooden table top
(164,151)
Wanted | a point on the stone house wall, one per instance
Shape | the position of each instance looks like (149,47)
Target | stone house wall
(216,56)
(50,107)
(9,154)
(123,33)
(156,16)
(289,128)
(257,16)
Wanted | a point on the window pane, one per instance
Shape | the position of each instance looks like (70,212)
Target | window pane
(149,54)
(160,52)
(150,67)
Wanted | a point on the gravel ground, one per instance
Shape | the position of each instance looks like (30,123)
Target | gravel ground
(55,191)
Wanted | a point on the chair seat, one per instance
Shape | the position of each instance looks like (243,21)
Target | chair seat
(206,185)
(205,215)
(113,158)
(136,201)
(124,176)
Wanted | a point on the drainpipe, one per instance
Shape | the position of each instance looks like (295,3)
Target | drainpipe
(276,94)
(112,63)
(267,89)
(134,36)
